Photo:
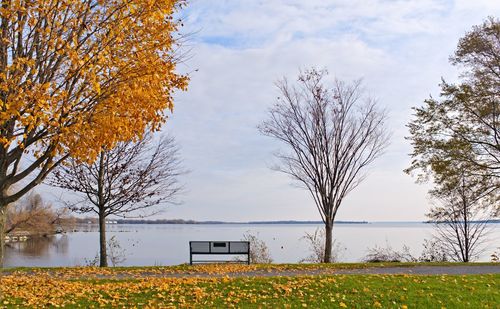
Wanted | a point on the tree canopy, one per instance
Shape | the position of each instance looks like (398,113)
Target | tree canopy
(128,180)
(76,76)
(461,130)
(332,135)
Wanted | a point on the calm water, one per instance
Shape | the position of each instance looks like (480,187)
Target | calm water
(167,244)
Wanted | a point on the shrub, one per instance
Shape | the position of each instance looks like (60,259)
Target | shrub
(433,251)
(495,256)
(316,243)
(259,252)
(388,254)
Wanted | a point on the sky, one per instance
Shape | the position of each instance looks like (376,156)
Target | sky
(237,50)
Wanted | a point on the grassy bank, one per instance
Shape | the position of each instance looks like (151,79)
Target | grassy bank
(87,287)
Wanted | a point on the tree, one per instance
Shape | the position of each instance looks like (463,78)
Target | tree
(460,219)
(76,76)
(463,128)
(332,136)
(31,214)
(129,179)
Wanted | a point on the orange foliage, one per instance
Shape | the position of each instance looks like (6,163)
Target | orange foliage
(78,75)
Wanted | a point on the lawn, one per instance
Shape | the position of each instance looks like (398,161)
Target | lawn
(87,287)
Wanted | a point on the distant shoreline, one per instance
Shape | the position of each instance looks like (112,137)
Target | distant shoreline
(276,222)
(180,221)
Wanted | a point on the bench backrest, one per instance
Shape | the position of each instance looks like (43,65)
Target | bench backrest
(219,247)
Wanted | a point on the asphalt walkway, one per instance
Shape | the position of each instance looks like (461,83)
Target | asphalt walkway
(427,270)
(372,270)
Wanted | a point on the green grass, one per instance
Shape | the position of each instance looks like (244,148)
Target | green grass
(355,291)
(325,291)
(352,291)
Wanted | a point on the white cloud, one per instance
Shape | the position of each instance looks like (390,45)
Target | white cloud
(400,48)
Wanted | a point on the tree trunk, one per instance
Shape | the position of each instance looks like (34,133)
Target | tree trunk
(103,256)
(328,243)
(3,217)
(102,215)
(466,230)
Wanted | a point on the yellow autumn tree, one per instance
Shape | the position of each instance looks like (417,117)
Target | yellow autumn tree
(77,76)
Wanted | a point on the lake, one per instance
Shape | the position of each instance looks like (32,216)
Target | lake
(167,244)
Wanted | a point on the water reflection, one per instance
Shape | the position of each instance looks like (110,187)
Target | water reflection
(168,244)
(39,246)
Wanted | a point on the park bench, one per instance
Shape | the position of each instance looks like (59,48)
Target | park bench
(219,248)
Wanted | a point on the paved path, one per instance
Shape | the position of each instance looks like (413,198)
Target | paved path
(412,270)
(427,270)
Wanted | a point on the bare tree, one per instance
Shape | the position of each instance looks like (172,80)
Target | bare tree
(36,217)
(128,180)
(461,218)
(332,135)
